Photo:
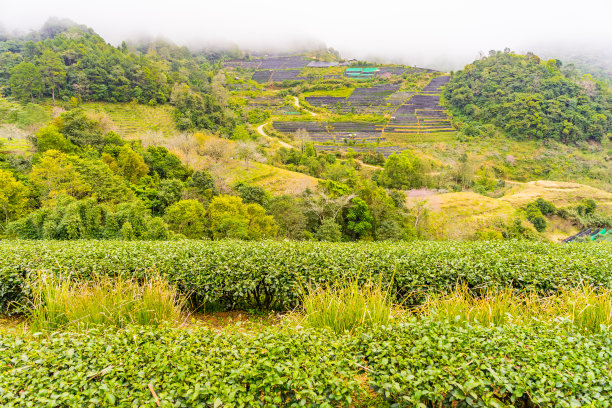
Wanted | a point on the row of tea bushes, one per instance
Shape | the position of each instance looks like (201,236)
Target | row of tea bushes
(269,274)
(413,364)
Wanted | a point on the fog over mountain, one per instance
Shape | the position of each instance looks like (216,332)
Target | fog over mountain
(445,34)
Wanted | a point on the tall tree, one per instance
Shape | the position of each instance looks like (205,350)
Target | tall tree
(25,81)
(53,71)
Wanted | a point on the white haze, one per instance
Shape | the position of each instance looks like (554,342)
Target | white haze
(444,34)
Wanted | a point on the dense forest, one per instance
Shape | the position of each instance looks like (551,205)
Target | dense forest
(529,98)
(64,61)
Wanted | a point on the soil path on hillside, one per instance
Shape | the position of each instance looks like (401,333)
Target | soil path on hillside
(260,130)
(296,103)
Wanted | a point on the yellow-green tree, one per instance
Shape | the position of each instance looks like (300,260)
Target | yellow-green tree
(131,165)
(56,175)
(187,217)
(229,217)
(13,197)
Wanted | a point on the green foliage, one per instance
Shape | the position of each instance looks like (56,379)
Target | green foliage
(187,217)
(289,216)
(49,138)
(229,217)
(488,366)
(194,367)
(199,111)
(165,164)
(329,231)
(204,184)
(545,207)
(267,274)
(252,194)
(534,215)
(347,306)
(30,114)
(25,81)
(130,164)
(13,197)
(59,303)
(81,130)
(528,99)
(480,367)
(358,217)
(404,171)
(70,219)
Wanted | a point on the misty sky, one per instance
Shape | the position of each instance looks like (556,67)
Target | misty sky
(444,34)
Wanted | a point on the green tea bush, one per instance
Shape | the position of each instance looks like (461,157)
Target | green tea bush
(185,368)
(429,364)
(420,363)
(268,274)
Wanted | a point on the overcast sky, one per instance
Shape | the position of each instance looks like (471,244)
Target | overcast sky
(442,33)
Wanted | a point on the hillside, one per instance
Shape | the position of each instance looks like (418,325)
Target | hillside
(311,145)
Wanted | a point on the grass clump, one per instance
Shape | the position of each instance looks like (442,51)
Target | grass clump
(61,303)
(346,306)
(584,308)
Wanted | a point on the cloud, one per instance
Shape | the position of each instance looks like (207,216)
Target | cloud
(445,33)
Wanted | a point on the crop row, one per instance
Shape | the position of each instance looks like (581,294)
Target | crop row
(418,363)
(269,274)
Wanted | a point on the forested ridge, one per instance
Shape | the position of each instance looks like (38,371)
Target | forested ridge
(529,99)
(64,61)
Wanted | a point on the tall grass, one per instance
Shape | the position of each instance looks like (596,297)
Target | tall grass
(346,306)
(584,308)
(59,303)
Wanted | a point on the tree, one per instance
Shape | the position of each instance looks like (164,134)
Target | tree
(229,217)
(82,130)
(168,193)
(404,171)
(49,137)
(165,164)
(246,151)
(131,165)
(53,71)
(25,81)
(13,197)
(329,230)
(289,216)
(252,194)
(56,175)
(204,184)
(302,136)
(358,218)
(187,217)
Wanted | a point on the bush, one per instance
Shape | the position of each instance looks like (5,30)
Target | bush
(266,274)
(417,363)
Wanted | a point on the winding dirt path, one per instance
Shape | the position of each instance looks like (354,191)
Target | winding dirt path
(296,103)
(260,130)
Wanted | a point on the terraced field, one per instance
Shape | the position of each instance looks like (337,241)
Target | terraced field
(131,119)
(422,113)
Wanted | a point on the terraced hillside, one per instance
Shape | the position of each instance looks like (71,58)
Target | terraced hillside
(405,118)
(422,115)
(132,119)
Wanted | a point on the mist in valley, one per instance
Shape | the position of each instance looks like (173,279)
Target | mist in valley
(444,35)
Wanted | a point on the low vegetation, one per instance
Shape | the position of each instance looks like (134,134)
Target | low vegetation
(60,303)
(269,274)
